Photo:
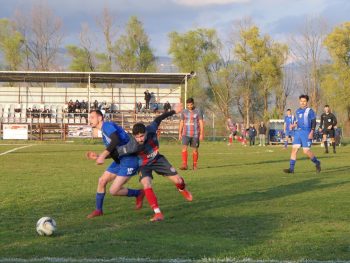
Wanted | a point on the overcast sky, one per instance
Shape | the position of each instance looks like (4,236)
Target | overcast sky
(278,18)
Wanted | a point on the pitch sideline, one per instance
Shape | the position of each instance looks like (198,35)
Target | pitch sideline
(15,149)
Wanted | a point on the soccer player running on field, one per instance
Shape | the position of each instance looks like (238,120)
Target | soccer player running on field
(327,127)
(120,170)
(147,148)
(191,131)
(304,125)
(289,119)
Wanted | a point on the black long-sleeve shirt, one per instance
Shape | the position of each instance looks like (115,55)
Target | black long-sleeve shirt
(327,120)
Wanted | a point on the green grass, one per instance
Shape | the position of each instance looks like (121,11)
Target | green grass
(244,207)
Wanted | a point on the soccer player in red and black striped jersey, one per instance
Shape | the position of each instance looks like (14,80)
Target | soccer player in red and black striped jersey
(147,149)
(191,131)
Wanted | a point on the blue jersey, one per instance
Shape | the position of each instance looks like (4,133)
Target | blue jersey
(109,128)
(151,145)
(304,118)
(288,120)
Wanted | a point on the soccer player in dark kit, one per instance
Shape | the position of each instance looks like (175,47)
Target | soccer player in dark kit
(327,127)
(146,145)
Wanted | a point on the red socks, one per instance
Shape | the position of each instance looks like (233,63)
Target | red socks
(181,185)
(184,158)
(230,139)
(151,198)
(195,159)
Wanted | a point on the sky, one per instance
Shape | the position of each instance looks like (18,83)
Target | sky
(278,18)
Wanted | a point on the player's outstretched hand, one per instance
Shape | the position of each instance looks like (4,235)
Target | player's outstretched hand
(178,107)
(91,155)
(100,160)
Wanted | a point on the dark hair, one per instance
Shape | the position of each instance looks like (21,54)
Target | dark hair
(98,112)
(326,106)
(289,110)
(138,128)
(190,100)
(303,96)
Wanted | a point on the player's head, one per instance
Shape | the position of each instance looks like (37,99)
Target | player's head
(139,132)
(303,100)
(95,118)
(327,109)
(190,103)
(289,112)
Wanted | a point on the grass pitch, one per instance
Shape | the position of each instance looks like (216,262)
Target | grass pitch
(244,207)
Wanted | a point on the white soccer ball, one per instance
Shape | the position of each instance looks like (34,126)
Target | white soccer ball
(46,226)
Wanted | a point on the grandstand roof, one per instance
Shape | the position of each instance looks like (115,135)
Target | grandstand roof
(95,77)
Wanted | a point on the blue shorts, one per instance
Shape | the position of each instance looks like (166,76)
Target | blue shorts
(289,133)
(301,139)
(128,166)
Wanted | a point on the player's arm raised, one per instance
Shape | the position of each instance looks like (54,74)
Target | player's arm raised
(178,108)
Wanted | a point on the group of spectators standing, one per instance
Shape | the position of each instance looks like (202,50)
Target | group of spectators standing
(252,133)
(152,106)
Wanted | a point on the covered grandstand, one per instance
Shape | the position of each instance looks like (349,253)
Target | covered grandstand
(41,100)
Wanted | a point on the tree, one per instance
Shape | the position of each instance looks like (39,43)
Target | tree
(132,50)
(11,43)
(336,82)
(308,51)
(43,37)
(197,51)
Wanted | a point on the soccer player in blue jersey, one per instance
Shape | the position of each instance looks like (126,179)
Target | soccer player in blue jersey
(304,125)
(146,145)
(120,170)
(288,130)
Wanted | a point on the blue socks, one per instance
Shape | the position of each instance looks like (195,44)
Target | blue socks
(292,164)
(133,192)
(315,160)
(285,144)
(99,200)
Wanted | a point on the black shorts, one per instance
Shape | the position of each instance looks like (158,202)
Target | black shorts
(233,133)
(160,165)
(192,141)
(329,133)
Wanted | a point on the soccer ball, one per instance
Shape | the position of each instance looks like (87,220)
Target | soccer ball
(46,226)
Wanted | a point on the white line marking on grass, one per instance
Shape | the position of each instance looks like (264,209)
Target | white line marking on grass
(15,149)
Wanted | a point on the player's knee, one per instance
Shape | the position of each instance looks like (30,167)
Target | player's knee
(102,181)
(306,151)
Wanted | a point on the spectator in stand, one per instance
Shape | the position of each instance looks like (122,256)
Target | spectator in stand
(148,97)
(83,106)
(95,105)
(139,106)
(71,107)
(167,106)
(251,134)
(262,134)
(155,107)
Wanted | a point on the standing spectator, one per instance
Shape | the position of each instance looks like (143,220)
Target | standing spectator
(167,106)
(251,134)
(262,134)
(148,97)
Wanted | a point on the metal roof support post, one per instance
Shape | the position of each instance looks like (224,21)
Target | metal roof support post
(89,102)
